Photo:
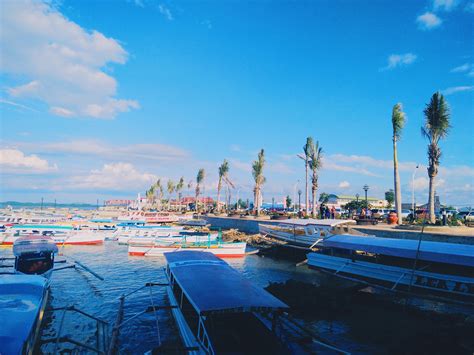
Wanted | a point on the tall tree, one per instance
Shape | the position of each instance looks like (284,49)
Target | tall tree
(170,188)
(257,173)
(307,149)
(223,171)
(159,188)
(436,127)
(288,202)
(390,197)
(199,179)
(315,164)
(179,187)
(398,121)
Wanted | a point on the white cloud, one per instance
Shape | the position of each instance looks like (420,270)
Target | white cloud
(131,152)
(456,89)
(165,11)
(398,60)
(428,21)
(344,184)
(62,61)
(367,161)
(14,160)
(115,176)
(462,68)
(446,5)
(15,104)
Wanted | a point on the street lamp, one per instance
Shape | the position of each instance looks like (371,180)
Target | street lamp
(413,190)
(294,194)
(366,188)
(357,197)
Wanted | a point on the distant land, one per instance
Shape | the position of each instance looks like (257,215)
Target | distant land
(16,204)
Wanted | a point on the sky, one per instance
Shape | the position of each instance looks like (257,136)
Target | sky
(99,99)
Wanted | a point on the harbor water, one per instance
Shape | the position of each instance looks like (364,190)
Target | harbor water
(123,273)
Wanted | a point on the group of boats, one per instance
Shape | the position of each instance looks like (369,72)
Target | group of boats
(438,270)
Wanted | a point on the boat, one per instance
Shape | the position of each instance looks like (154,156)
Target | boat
(304,232)
(124,236)
(150,217)
(170,239)
(431,269)
(34,255)
(221,312)
(216,247)
(23,299)
(61,234)
(192,222)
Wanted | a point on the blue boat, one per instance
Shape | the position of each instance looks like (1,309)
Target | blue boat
(23,299)
(217,310)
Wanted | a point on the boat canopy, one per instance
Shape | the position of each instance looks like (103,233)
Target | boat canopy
(211,285)
(42,226)
(102,220)
(450,253)
(34,244)
(317,222)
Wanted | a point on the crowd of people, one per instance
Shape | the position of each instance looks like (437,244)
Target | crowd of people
(327,213)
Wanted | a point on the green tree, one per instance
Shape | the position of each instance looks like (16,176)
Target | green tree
(315,164)
(390,197)
(288,202)
(355,205)
(398,122)
(323,197)
(159,188)
(199,179)
(223,171)
(257,173)
(436,127)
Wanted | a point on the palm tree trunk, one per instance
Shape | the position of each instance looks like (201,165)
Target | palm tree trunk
(255,200)
(307,191)
(313,211)
(431,200)
(398,192)
(219,195)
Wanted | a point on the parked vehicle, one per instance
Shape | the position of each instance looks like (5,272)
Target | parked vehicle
(379,213)
(467,216)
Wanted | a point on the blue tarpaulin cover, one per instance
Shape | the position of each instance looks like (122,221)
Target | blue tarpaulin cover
(450,253)
(21,297)
(212,285)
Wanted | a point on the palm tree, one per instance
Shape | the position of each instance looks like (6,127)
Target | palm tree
(436,127)
(223,170)
(158,187)
(179,187)
(315,164)
(170,187)
(307,148)
(199,179)
(257,172)
(150,195)
(398,121)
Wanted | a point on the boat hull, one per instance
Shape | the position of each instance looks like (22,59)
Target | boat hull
(231,250)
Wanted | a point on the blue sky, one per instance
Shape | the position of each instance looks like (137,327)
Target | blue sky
(98,99)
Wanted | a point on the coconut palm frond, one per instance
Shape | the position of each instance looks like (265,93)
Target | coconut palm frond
(257,167)
(223,168)
(398,121)
(437,116)
(308,147)
(180,184)
(170,186)
(200,176)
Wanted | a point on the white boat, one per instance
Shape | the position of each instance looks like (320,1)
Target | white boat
(61,234)
(217,247)
(220,313)
(124,236)
(184,237)
(303,232)
(428,268)
(23,299)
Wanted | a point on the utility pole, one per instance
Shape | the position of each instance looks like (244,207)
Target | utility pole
(41,203)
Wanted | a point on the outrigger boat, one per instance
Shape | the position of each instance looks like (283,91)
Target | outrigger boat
(34,255)
(216,309)
(216,247)
(304,232)
(124,236)
(433,269)
(61,234)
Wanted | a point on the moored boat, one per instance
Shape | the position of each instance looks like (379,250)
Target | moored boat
(34,255)
(433,269)
(303,232)
(216,247)
(23,299)
(220,313)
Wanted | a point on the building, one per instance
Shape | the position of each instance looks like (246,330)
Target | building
(341,200)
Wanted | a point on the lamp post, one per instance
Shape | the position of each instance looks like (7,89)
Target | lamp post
(294,194)
(366,188)
(357,197)
(413,190)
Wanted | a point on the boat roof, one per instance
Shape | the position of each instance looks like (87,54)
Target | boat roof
(314,221)
(42,226)
(450,253)
(34,244)
(21,297)
(211,285)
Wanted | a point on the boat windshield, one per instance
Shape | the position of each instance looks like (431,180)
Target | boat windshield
(34,263)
